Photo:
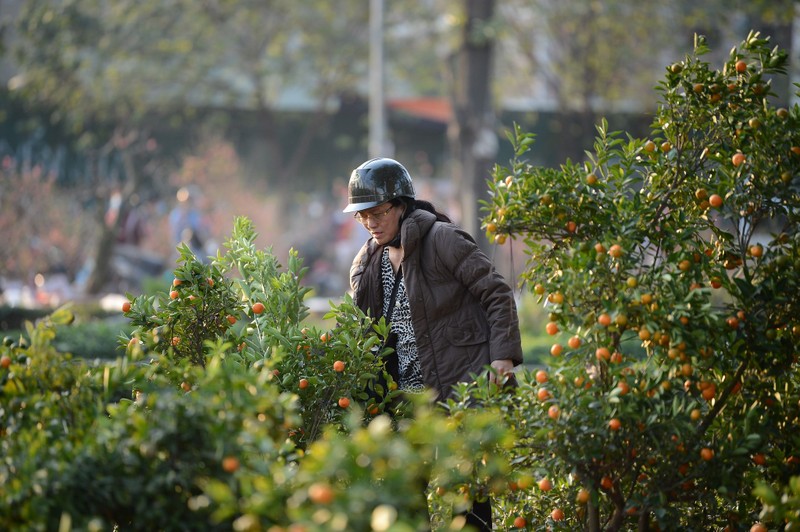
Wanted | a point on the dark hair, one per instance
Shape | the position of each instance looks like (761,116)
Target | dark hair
(411,205)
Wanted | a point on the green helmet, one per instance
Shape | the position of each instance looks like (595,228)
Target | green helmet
(377,181)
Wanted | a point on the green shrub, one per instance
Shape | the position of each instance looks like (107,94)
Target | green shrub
(93,339)
(14,318)
(243,308)
(97,338)
(49,407)
(120,445)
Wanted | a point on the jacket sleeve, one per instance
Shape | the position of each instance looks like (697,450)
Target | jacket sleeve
(367,291)
(475,271)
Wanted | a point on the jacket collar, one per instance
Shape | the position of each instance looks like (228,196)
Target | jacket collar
(416,225)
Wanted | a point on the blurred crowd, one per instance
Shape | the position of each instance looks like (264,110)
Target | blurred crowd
(148,229)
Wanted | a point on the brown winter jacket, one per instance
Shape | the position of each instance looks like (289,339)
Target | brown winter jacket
(463,312)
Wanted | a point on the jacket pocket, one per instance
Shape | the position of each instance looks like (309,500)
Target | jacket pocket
(463,334)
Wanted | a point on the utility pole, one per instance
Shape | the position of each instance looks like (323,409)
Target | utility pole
(377,103)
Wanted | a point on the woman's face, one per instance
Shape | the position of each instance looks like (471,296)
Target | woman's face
(382,221)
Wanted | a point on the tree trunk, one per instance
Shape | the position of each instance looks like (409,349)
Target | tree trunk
(101,259)
(593,518)
(102,272)
(473,135)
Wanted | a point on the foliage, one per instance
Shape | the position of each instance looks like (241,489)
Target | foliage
(91,445)
(32,215)
(95,339)
(780,507)
(218,438)
(194,310)
(49,404)
(584,59)
(598,58)
(669,265)
(108,69)
(92,333)
(14,318)
(243,307)
(535,342)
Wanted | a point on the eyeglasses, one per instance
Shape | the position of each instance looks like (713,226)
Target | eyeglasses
(376,216)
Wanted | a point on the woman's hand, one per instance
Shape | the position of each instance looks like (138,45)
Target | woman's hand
(501,368)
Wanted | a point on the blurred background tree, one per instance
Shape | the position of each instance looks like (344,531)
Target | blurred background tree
(110,98)
(590,59)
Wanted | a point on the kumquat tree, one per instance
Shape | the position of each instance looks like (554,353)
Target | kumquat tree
(671,269)
(243,307)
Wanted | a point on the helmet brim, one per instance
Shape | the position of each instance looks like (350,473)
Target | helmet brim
(355,207)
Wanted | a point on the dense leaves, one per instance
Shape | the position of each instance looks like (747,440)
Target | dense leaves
(668,264)
(250,419)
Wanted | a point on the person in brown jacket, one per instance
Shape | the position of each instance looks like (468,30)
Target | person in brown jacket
(453,314)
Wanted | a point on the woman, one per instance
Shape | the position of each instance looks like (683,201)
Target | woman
(454,316)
